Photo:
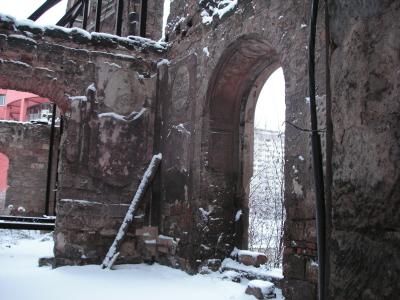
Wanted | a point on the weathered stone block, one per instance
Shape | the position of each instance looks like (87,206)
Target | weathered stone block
(261,289)
(250,258)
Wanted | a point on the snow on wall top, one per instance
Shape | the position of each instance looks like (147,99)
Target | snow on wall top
(216,8)
(29,29)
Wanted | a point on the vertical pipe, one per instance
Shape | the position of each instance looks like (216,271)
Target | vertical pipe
(98,15)
(50,160)
(58,160)
(120,8)
(85,14)
(143,18)
(317,156)
(329,147)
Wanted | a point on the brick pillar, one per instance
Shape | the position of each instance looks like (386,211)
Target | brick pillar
(22,111)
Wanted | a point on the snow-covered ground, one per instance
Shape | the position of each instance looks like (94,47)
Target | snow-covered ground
(21,278)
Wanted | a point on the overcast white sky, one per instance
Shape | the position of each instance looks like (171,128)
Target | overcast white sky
(270,110)
(22,9)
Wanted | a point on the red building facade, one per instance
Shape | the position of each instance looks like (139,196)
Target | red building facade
(23,107)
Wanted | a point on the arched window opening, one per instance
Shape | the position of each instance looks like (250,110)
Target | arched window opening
(266,195)
(31,139)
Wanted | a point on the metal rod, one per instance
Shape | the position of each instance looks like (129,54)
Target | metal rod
(42,9)
(328,147)
(76,14)
(85,14)
(27,219)
(143,18)
(58,160)
(98,16)
(120,8)
(50,160)
(317,156)
(27,225)
(67,17)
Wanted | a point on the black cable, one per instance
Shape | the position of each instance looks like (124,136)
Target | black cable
(303,129)
(317,156)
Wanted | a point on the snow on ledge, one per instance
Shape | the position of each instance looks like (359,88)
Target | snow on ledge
(223,7)
(133,116)
(130,41)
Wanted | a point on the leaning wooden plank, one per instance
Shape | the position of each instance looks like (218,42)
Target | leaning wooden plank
(144,184)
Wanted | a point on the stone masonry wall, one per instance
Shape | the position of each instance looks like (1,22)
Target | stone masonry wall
(105,87)
(27,148)
(204,91)
(365,260)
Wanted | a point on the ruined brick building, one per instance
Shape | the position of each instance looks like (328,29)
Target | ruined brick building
(193,100)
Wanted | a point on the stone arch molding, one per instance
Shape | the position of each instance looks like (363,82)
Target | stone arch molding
(246,60)
(23,77)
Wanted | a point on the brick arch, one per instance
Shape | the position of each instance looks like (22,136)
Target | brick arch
(22,77)
(228,108)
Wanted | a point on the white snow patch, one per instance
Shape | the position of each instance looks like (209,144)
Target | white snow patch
(23,37)
(82,202)
(21,278)
(266,287)
(229,263)
(91,87)
(238,215)
(297,188)
(78,98)
(249,253)
(181,129)
(111,64)
(206,52)
(164,61)
(222,8)
(15,62)
(131,117)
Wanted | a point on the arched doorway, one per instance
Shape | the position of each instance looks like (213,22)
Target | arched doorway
(266,187)
(229,129)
